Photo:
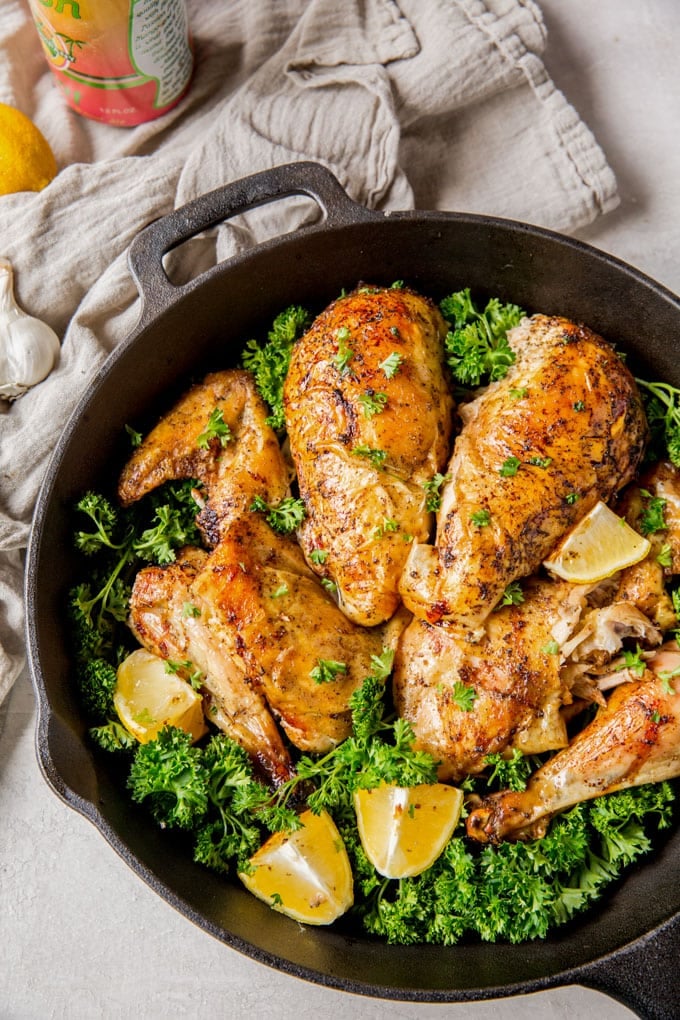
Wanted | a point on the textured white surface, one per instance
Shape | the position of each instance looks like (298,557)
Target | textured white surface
(81,936)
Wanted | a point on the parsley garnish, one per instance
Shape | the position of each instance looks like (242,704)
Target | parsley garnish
(509,467)
(376,457)
(327,670)
(216,428)
(662,408)
(513,595)
(269,363)
(391,364)
(665,556)
(433,490)
(477,347)
(345,352)
(652,517)
(284,517)
(481,518)
(464,697)
(372,402)
(633,661)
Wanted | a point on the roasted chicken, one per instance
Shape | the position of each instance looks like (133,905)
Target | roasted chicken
(235,703)
(564,428)
(466,700)
(262,630)
(633,739)
(368,413)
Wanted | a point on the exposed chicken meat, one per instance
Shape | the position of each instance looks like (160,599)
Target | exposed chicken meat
(264,626)
(368,413)
(513,673)
(643,584)
(634,739)
(537,449)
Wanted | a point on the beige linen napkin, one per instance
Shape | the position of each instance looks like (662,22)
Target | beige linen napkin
(441,104)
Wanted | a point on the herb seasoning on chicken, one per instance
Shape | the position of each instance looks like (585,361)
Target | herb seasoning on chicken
(368,413)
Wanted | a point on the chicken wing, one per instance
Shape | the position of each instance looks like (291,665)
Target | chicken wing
(564,428)
(216,433)
(368,412)
(634,739)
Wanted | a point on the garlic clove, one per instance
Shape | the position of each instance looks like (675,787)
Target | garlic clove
(29,348)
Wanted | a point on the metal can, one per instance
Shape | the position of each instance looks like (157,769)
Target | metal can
(119,61)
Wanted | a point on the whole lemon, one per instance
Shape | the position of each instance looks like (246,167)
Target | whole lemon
(26,161)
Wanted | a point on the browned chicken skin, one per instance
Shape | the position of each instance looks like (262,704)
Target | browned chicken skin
(634,739)
(249,462)
(366,436)
(262,622)
(563,429)
(512,677)
(160,622)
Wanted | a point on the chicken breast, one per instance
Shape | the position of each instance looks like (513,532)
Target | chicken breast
(368,412)
(563,429)
(634,739)
(467,700)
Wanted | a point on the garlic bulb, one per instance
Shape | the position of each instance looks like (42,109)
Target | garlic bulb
(29,348)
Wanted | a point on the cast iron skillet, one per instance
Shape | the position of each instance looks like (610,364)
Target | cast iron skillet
(628,945)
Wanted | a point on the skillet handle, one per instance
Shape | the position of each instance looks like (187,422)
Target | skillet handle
(644,977)
(146,252)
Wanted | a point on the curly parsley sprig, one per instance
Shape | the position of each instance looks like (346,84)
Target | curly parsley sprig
(477,348)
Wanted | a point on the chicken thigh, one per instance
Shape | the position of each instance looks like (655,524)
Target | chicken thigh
(466,700)
(368,412)
(564,429)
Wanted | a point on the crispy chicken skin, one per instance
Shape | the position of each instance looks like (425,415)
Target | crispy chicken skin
(263,621)
(514,677)
(634,739)
(361,515)
(159,621)
(250,461)
(568,417)
(258,585)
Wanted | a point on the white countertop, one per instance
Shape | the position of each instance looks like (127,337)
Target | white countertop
(81,935)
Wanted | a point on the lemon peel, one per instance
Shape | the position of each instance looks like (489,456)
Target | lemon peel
(601,544)
(27,162)
(305,874)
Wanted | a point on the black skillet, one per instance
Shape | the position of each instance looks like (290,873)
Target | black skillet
(628,945)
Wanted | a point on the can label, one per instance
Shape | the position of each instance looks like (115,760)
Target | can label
(119,61)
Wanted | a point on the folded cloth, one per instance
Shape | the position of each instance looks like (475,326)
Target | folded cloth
(441,104)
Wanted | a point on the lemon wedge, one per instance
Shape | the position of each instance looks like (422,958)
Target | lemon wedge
(304,874)
(402,829)
(147,697)
(601,544)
